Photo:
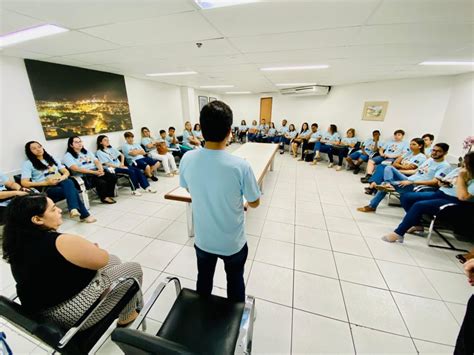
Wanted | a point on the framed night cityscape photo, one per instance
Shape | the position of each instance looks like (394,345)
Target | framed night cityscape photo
(77,101)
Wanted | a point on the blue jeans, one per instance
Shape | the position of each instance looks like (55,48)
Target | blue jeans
(143,162)
(251,137)
(378,159)
(322,147)
(410,198)
(378,174)
(380,195)
(234,269)
(136,176)
(390,174)
(430,206)
(67,190)
(359,155)
(341,154)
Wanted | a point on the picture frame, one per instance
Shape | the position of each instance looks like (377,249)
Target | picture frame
(203,100)
(374,110)
(212,99)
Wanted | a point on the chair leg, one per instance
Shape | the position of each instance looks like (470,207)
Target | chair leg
(244,342)
(430,234)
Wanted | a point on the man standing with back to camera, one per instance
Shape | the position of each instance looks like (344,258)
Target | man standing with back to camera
(217,182)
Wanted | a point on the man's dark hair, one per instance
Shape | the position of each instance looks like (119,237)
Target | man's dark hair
(443,146)
(128,135)
(162,131)
(216,121)
(376,131)
(429,135)
(314,125)
(399,131)
(171,128)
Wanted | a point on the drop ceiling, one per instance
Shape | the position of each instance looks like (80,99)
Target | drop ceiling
(361,40)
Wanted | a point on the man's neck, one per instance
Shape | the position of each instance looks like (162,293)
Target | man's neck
(439,160)
(215,145)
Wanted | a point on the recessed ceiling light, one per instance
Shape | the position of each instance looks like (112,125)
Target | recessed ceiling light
(173,73)
(446,63)
(29,34)
(295,84)
(216,86)
(210,4)
(238,92)
(301,67)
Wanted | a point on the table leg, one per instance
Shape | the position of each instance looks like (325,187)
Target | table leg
(189,218)
(271,165)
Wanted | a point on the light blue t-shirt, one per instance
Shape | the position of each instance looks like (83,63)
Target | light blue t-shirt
(394,148)
(263,127)
(169,139)
(428,151)
(452,178)
(272,132)
(243,128)
(331,138)
(430,169)
(84,161)
(198,134)
(28,171)
(409,158)
(369,146)
(109,156)
(292,134)
(186,137)
(3,181)
(126,151)
(305,133)
(282,130)
(145,141)
(315,136)
(217,182)
(349,141)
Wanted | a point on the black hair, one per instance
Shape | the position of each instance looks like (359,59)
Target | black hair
(128,135)
(216,121)
(37,164)
(291,125)
(352,130)
(443,146)
(19,228)
(71,150)
(142,129)
(333,128)
(469,163)
(197,124)
(375,131)
(272,124)
(429,135)
(421,144)
(100,146)
(244,123)
(302,129)
(399,131)
(162,131)
(171,128)
(314,125)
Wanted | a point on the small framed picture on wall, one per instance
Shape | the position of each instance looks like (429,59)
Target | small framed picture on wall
(212,99)
(202,102)
(374,110)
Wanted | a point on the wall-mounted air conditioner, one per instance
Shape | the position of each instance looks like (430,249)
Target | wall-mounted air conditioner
(318,90)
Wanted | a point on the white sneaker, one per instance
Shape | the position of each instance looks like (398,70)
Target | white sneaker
(74,213)
(176,172)
(330,165)
(150,190)
(338,168)
(136,193)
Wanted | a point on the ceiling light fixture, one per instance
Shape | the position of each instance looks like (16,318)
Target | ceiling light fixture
(211,4)
(216,86)
(295,84)
(301,67)
(446,63)
(173,73)
(29,34)
(238,92)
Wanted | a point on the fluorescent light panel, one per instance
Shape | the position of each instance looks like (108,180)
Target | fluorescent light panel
(216,86)
(295,84)
(446,63)
(301,67)
(173,73)
(30,34)
(238,92)
(211,4)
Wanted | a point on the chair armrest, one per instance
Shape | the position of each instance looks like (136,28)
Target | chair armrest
(80,182)
(85,317)
(146,309)
(134,341)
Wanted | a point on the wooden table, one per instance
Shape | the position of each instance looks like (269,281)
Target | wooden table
(260,157)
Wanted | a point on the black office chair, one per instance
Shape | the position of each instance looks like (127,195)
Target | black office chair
(194,325)
(73,340)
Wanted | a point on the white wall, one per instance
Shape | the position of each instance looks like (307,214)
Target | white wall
(416,105)
(151,104)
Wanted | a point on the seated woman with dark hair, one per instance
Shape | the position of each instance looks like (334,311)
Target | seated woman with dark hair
(47,174)
(198,133)
(59,276)
(115,161)
(84,164)
(456,187)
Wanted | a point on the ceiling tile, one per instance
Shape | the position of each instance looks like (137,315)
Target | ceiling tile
(181,27)
(12,22)
(75,14)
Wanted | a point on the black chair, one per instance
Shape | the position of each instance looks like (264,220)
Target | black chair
(73,340)
(194,325)
(180,139)
(455,218)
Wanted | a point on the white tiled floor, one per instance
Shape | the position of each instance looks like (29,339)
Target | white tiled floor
(323,279)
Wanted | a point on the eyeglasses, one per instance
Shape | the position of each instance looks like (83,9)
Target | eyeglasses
(436,151)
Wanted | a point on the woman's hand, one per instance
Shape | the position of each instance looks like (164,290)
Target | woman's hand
(469,270)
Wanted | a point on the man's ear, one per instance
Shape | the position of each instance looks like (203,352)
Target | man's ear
(37,220)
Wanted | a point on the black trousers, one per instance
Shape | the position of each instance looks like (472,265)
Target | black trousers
(341,152)
(105,184)
(465,342)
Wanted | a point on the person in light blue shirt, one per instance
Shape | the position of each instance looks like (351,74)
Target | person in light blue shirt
(368,149)
(457,187)
(342,148)
(242,131)
(263,128)
(173,143)
(46,174)
(302,136)
(252,132)
(283,129)
(8,190)
(198,133)
(329,138)
(426,174)
(308,144)
(287,137)
(429,139)
(84,164)
(135,156)
(218,183)
(271,136)
(189,140)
